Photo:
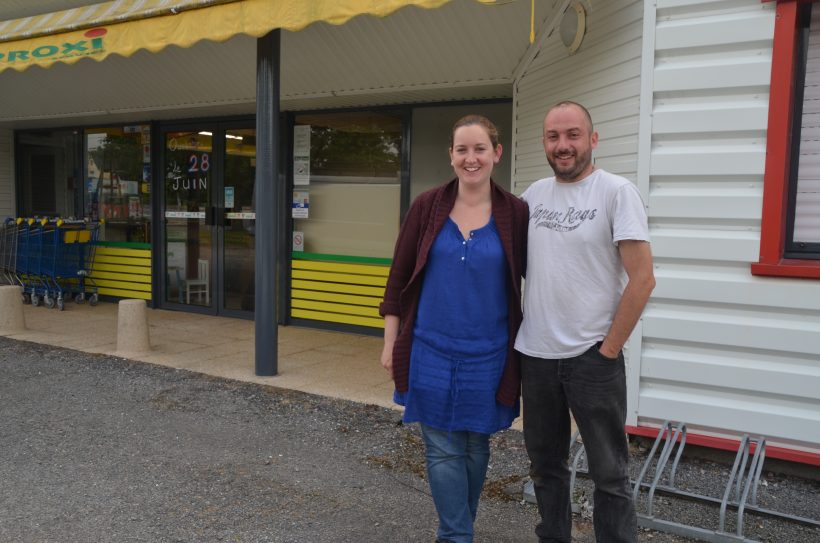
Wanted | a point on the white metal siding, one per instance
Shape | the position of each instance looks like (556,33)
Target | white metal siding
(7,206)
(604,75)
(722,350)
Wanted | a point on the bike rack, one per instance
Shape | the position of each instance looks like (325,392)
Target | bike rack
(743,478)
(739,495)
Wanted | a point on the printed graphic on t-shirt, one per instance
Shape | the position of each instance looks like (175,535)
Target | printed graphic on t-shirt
(561,220)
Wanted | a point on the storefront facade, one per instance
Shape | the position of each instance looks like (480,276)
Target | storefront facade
(349,182)
(175,186)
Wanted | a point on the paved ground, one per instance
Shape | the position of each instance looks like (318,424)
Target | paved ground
(321,362)
(99,448)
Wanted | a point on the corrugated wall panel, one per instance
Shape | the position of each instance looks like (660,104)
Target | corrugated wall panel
(7,205)
(604,75)
(672,244)
(793,376)
(727,30)
(712,159)
(727,283)
(714,323)
(722,350)
(743,72)
(719,413)
(690,203)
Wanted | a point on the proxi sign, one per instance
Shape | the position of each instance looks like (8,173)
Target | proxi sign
(91,42)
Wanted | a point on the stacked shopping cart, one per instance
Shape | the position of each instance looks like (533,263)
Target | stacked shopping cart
(50,258)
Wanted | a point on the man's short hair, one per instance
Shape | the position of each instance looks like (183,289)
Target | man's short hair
(565,103)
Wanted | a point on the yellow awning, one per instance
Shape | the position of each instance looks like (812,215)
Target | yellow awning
(98,14)
(121,29)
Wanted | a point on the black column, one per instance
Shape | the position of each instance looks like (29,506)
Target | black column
(268,206)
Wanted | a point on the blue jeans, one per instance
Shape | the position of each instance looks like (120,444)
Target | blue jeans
(456,468)
(594,389)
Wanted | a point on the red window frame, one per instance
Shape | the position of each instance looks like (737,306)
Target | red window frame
(778,151)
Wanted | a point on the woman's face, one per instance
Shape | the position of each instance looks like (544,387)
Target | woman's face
(473,155)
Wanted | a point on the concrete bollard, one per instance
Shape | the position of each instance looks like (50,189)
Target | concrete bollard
(132,327)
(12,319)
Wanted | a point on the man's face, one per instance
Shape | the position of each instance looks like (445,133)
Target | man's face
(568,143)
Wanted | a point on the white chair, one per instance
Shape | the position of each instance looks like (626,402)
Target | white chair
(200,285)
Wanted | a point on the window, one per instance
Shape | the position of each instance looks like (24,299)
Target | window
(347,182)
(790,229)
(48,174)
(803,235)
(118,167)
(96,173)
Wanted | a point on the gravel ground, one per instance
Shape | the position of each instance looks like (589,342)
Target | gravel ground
(95,448)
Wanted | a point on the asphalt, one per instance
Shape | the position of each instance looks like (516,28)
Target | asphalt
(104,449)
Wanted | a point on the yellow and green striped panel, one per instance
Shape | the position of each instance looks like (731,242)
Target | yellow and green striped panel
(122,270)
(339,289)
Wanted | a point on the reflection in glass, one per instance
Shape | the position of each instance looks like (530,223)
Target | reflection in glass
(354,183)
(49,175)
(118,187)
(240,218)
(188,162)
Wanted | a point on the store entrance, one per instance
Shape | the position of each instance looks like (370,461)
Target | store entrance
(209,217)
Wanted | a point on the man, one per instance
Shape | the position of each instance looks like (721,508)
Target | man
(589,276)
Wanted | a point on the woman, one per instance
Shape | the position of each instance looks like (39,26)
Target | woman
(452,310)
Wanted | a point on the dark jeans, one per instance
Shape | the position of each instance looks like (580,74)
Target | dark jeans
(594,389)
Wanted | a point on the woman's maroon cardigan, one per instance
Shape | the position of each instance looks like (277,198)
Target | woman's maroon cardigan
(422,224)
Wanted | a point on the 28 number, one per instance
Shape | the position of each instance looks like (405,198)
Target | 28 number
(196,163)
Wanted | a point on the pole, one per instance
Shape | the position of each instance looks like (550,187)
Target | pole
(267,203)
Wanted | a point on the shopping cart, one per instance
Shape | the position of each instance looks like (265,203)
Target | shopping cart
(8,251)
(51,259)
(21,259)
(16,262)
(74,259)
(33,243)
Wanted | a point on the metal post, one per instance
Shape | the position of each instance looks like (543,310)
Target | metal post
(267,204)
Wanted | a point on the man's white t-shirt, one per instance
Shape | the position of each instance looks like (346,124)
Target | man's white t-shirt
(575,277)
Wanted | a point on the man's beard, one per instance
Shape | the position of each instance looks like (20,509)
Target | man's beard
(582,162)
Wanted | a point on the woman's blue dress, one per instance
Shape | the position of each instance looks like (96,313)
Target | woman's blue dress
(460,337)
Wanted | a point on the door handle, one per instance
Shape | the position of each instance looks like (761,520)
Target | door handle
(214,216)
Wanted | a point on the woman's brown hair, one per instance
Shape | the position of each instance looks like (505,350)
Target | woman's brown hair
(484,122)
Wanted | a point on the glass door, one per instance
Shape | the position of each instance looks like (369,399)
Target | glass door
(209,217)
(189,235)
(237,224)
